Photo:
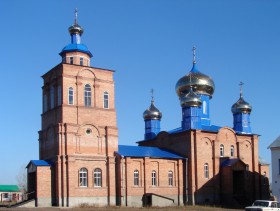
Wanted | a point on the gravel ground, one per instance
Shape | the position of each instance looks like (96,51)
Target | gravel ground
(187,208)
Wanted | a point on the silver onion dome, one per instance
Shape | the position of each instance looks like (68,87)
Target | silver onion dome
(241,106)
(152,112)
(76,28)
(190,99)
(201,83)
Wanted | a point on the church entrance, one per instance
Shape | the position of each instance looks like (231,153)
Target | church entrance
(238,183)
(233,176)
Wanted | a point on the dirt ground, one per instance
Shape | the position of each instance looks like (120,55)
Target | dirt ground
(187,208)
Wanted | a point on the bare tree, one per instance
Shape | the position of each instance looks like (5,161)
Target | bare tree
(22,179)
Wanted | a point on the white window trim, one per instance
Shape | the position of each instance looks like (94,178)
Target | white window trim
(69,96)
(104,99)
(88,96)
(222,150)
(206,171)
(136,172)
(154,178)
(99,178)
(86,178)
(170,179)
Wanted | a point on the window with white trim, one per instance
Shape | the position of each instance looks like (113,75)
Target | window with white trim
(97,177)
(83,177)
(136,177)
(154,178)
(231,150)
(81,61)
(106,100)
(87,95)
(206,171)
(170,178)
(221,150)
(71,96)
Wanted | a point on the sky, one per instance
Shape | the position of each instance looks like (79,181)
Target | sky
(149,45)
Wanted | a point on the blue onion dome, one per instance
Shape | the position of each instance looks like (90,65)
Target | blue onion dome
(201,83)
(190,99)
(152,112)
(241,106)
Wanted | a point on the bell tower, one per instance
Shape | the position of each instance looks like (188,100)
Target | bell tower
(79,133)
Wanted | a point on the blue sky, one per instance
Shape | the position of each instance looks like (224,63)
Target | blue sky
(149,44)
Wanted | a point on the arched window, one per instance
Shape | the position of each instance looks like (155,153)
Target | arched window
(52,97)
(136,178)
(206,171)
(204,105)
(83,177)
(59,95)
(45,103)
(170,178)
(106,100)
(231,150)
(81,61)
(97,177)
(154,178)
(221,150)
(71,96)
(87,95)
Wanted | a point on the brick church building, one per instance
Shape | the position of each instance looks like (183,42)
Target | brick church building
(81,162)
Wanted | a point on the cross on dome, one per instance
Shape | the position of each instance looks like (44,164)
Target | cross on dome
(241,88)
(194,49)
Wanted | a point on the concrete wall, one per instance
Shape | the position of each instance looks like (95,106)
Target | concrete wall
(88,201)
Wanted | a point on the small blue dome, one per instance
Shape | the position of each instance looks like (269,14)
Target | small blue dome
(75,47)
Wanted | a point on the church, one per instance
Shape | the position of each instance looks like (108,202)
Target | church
(80,161)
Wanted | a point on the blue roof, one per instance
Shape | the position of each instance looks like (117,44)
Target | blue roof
(41,163)
(139,151)
(75,47)
(212,128)
(230,162)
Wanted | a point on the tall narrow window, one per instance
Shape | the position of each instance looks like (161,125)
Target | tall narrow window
(87,95)
(136,178)
(154,178)
(71,60)
(97,177)
(206,171)
(204,105)
(59,100)
(106,100)
(71,96)
(83,177)
(45,103)
(231,150)
(170,178)
(52,97)
(221,150)
(81,61)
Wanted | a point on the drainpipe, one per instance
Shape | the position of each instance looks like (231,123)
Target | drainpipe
(186,182)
